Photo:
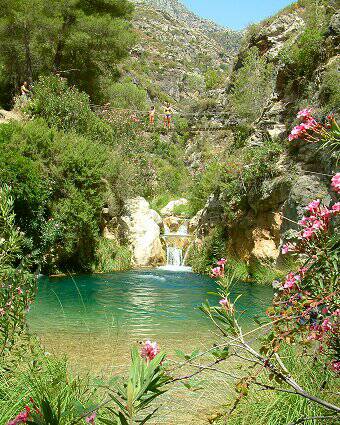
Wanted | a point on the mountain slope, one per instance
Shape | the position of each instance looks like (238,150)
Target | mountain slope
(176,50)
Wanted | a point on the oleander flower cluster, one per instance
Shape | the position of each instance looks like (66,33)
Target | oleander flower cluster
(306,305)
(219,270)
(309,129)
(27,415)
(150,350)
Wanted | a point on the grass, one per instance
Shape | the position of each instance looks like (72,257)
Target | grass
(112,257)
(278,408)
(33,374)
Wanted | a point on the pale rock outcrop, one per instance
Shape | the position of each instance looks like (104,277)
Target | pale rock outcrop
(7,116)
(141,228)
(169,209)
(285,28)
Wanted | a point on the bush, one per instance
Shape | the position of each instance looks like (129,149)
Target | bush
(212,248)
(213,79)
(126,95)
(58,188)
(66,109)
(252,86)
(111,257)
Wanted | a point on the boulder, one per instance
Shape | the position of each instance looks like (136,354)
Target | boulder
(169,209)
(140,225)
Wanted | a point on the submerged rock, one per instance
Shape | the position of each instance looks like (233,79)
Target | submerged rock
(141,227)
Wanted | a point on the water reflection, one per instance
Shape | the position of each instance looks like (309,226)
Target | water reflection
(135,305)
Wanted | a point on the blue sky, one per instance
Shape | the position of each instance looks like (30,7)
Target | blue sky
(236,14)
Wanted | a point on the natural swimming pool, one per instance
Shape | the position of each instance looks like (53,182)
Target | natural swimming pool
(95,319)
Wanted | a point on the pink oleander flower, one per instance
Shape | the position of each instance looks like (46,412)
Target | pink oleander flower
(313,206)
(304,113)
(2,312)
(150,350)
(229,307)
(326,325)
(304,221)
(336,312)
(90,419)
(317,225)
(310,124)
(336,183)
(308,233)
(291,281)
(221,262)
(292,137)
(325,214)
(22,417)
(216,272)
(336,207)
(336,366)
(20,291)
(285,249)
(297,132)
(303,271)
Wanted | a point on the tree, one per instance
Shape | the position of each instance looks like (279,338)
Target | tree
(84,38)
(252,86)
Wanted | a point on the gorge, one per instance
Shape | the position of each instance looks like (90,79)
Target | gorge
(169,213)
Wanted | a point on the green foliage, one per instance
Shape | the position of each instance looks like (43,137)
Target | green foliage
(57,183)
(329,88)
(303,57)
(67,109)
(59,396)
(276,408)
(85,39)
(111,257)
(204,185)
(18,285)
(146,382)
(252,86)
(126,95)
(213,79)
(212,249)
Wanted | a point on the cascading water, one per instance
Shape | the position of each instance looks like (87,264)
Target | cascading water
(174,256)
(176,244)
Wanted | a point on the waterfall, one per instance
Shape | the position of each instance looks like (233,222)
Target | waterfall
(174,256)
(176,238)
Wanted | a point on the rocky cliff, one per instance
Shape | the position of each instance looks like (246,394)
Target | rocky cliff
(264,215)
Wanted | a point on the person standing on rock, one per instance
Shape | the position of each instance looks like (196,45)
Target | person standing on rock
(167,116)
(24,89)
(152,113)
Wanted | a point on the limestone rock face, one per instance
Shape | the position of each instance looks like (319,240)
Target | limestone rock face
(284,28)
(169,209)
(141,229)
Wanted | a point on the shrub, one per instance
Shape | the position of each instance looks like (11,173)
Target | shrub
(18,285)
(201,255)
(213,79)
(111,257)
(252,86)
(67,109)
(126,95)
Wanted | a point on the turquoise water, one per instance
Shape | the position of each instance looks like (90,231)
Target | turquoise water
(77,314)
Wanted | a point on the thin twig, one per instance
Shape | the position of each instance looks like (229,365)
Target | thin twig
(302,420)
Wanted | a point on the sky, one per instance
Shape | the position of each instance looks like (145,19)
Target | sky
(236,14)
